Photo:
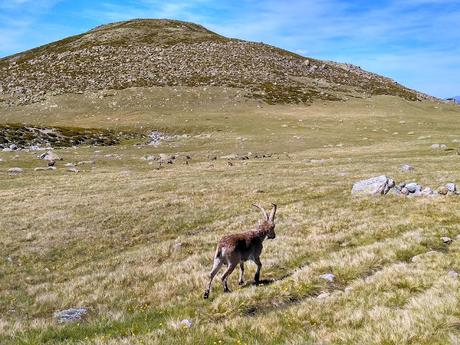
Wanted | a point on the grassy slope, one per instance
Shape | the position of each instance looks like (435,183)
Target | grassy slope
(105,238)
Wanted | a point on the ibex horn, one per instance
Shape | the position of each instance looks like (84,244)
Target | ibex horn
(272,214)
(262,209)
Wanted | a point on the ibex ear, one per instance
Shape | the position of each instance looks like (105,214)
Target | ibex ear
(272,213)
(263,211)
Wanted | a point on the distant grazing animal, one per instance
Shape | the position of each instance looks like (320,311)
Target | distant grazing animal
(238,248)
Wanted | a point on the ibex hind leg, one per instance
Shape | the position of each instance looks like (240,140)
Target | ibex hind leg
(215,268)
(241,280)
(227,272)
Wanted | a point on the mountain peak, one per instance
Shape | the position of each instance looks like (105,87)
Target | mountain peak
(164,52)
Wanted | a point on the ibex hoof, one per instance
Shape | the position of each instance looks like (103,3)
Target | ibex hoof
(206,295)
(241,282)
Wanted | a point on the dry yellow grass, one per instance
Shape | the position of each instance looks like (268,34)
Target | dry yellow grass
(105,238)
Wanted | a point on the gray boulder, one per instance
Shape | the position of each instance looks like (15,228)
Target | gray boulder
(412,187)
(375,185)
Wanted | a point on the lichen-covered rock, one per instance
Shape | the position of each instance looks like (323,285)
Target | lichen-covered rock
(70,315)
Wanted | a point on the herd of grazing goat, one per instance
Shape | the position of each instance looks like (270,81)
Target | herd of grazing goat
(238,248)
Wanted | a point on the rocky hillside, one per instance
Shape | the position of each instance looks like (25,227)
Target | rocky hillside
(173,53)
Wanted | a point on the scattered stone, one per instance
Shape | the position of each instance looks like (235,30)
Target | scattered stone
(177,246)
(317,161)
(15,170)
(404,191)
(323,295)
(51,163)
(451,187)
(427,191)
(70,315)
(417,258)
(412,187)
(155,138)
(86,162)
(407,168)
(69,165)
(13,147)
(164,158)
(452,274)
(186,323)
(328,276)
(50,156)
(44,168)
(376,185)
(232,156)
(446,240)
(439,147)
(443,190)
(73,169)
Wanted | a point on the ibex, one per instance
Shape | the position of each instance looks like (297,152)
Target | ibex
(238,248)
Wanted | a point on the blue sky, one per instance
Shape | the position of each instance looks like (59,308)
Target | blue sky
(415,42)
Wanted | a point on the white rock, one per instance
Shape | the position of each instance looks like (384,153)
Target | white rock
(328,276)
(15,170)
(452,274)
(407,167)
(186,323)
(50,156)
(451,187)
(375,185)
(446,240)
(44,168)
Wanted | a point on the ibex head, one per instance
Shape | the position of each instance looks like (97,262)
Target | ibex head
(267,224)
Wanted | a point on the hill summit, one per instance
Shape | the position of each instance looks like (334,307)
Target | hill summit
(161,52)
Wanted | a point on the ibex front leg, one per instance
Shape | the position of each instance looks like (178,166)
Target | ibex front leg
(241,280)
(259,267)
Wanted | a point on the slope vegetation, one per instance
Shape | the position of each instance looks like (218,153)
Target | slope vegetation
(173,53)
